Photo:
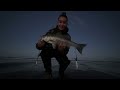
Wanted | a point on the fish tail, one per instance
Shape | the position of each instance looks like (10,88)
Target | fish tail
(80,47)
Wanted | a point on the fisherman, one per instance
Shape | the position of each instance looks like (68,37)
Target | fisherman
(61,50)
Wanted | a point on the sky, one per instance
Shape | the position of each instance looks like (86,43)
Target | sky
(100,30)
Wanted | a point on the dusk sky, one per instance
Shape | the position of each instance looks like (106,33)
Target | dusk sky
(20,30)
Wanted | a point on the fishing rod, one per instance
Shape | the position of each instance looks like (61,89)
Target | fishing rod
(37,58)
(76,60)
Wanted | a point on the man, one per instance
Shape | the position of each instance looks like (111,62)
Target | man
(61,50)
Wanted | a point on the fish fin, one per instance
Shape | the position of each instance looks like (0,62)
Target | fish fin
(80,47)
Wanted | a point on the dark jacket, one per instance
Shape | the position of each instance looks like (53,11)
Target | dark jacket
(56,31)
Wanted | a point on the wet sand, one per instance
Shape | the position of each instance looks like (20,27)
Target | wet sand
(25,69)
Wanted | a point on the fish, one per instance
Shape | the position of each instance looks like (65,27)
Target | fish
(55,40)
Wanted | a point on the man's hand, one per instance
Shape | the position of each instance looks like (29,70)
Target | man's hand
(62,46)
(40,44)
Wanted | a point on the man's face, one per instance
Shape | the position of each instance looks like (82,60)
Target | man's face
(62,23)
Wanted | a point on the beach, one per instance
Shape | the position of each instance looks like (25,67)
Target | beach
(12,68)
